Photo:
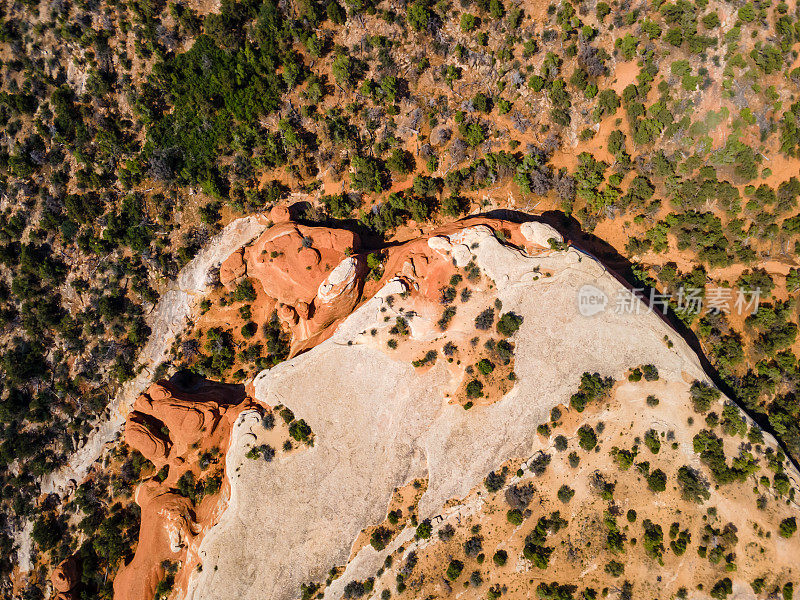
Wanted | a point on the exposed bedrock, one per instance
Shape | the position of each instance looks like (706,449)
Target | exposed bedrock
(378,422)
(171,424)
(65,578)
(313,273)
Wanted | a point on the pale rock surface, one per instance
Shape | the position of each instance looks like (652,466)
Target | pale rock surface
(340,280)
(394,286)
(540,233)
(378,423)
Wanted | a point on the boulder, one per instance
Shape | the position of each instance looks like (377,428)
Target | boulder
(540,233)
(339,281)
(279,214)
(65,578)
(232,269)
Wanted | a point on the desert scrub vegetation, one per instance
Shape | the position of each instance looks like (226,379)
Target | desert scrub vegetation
(508,324)
(592,388)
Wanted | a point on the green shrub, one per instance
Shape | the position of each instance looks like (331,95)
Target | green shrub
(300,431)
(500,557)
(454,569)
(468,22)
(657,480)
(419,15)
(485,366)
(485,319)
(565,493)
(538,554)
(494,481)
(593,387)
(508,324)
(424,529)
(587,438)
(692,486)
(722,589)
(474,389)
(514,516)
(623,458)
(652,441)
(653,538)
(788,527)
(244,292)
(703,396)
(380,537)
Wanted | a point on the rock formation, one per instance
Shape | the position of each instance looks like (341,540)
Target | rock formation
(540,234)
(172,423)
(379,422)
(65,579)
(378,417)
(166,321)
(311,273)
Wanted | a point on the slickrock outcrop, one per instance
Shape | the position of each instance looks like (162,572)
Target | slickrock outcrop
(381,411)
(65,579)
(173,424)
(379,421)
(428,262)
(540,234)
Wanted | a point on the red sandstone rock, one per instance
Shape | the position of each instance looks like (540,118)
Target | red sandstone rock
(232,269)
(65,578)
(172,425)
(303,310)
(279,214)
(291,261)
(142,436)
(164,534)
(287,314)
